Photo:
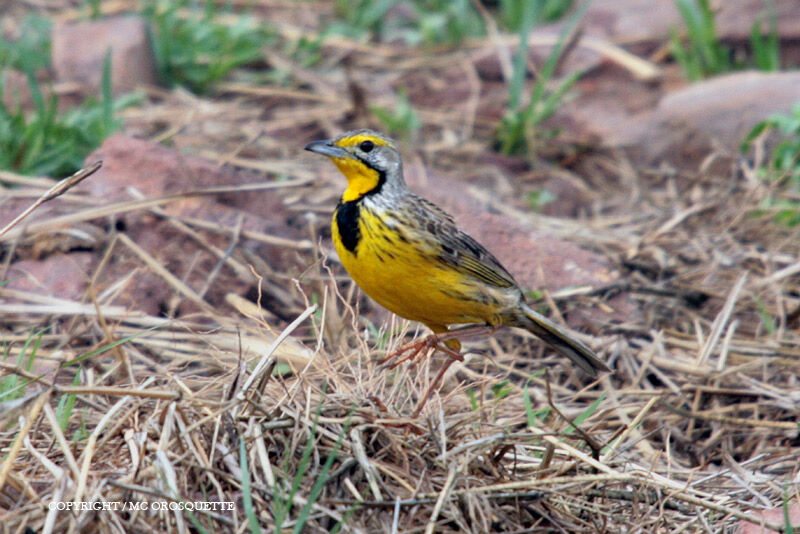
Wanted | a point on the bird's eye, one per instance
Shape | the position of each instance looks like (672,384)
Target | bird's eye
(366,146)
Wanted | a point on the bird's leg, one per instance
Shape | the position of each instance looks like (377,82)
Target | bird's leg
(413,349)
(456,333)
(439,376)
(436,341)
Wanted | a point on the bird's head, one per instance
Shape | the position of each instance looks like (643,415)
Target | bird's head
(370,162)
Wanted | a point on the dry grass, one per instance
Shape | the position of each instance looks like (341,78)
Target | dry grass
(691,432)
(293,423)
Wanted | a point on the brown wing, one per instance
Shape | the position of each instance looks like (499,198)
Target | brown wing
(458,248)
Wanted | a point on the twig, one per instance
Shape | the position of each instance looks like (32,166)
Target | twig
(448,486)
(30,418)
(179,285)
(786,425)
(125,206)
(262,363)
(57,190)
(721,321)
(630,428)
(118,391)
(586,437)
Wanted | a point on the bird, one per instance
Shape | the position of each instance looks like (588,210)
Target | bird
(412,258)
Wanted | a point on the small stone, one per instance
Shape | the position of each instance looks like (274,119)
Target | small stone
(631,21)
(79,51)
(721,111)
(156,171)
(60,275)
(773,515)
(734,19)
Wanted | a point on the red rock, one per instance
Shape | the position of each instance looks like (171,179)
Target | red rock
(773,515)
(631,20)
(157,171)
(602,106)
(79,51)
(61,275)
(627,21)
(723,110)
(51,264)
(734,19)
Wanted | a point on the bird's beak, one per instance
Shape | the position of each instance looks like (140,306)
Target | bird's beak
(327,148)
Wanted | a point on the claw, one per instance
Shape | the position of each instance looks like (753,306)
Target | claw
(417,349)
(414,349)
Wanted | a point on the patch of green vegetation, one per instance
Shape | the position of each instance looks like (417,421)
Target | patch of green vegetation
(43,141)
(282,369)
(412,21)
(787,520)
(766,318)
(703,54)
(94,8)
(434,21)
(586,414)
(535,417)
(12,386)
(520,128)
(284,499)
(82,433)
(783,164)
(195,49)
(766,46)
(66,404)
(402,121)
(247,491)
(539,199)
(31,51)
(305,51)
(46,142)
(473,400)
(501,390)
(534,294)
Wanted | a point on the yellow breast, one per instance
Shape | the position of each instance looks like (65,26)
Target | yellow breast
(402,272)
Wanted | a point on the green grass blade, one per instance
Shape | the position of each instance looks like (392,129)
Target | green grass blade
(108,97)
(515,123)
(281,510)
(530,13)
(247,495)
(787,519)
(766,48)
(13,386)
(587,413)
(322,479)
(66,404)
(526,400)
(110,346)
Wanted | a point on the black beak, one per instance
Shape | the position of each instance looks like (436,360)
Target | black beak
(327,148)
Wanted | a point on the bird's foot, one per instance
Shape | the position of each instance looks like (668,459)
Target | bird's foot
(415,350)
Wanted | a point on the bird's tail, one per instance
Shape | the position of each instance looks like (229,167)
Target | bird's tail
(560,339)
